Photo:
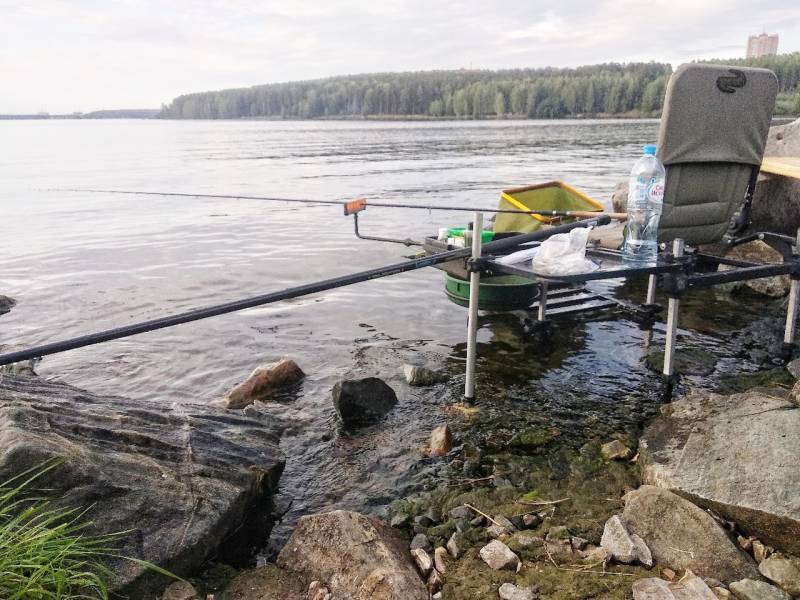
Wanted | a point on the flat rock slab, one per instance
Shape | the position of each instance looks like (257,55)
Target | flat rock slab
(749,589)
(181,477)
(690,587)
(683,536)
(358,557)
(736,455)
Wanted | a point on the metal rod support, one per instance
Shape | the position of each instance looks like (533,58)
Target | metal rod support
(673,310)
(651,290)
(542,302)
(472,325)
(791,312)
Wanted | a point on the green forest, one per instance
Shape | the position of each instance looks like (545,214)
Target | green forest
(635,89)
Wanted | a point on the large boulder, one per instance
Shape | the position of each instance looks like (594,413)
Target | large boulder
(776,202)
(180,478)
(758,252)
(736,455)
(362,401)
(683,536)
(358,557)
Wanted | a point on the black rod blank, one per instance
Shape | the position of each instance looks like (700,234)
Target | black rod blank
(286,294)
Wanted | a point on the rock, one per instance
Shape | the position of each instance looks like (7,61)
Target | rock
(362,401)
(423,561)
(263,383)
(794,368)
(461,512)
(531,520)
(441,441)
(266,583)
(6,304)
(578,543)
(783,571)
(440,559)
(527,539)
(735,455)
(500,526)
(689,587)
(434,582)
(749,589)
(358,557)
(776,202)
(596,554)
(317,590)
(453,547)
(760,551)
(478,521)
(26,368)
(179,590)
(530,439)
(421,541)
(744,543)
(518,522)
(721,593)
(423,521)
(181,478)
(668,574)
(437,596)
(620,198)
(758,252)
(622,546)
(615,450)
(682,536)
(558,540)
(400,520)
(794,395)
(499,556)
(509,591)
(422,376)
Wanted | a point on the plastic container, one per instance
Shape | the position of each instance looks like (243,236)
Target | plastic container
(454,232)
(645,203)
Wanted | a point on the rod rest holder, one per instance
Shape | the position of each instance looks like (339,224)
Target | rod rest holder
(478,265)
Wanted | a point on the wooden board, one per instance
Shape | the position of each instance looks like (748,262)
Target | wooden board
(788,166)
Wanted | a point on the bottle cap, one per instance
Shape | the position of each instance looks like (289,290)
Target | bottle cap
(650,149)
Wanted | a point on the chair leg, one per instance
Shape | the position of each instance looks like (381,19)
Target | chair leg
(472,326)
(673,311)
(791,312)
(651,290)
(542,316)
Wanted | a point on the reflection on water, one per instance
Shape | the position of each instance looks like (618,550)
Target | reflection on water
(77,262)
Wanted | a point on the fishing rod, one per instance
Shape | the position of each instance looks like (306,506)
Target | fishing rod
(286,294)
(354,206)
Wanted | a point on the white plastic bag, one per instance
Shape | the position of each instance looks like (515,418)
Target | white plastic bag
(564,254)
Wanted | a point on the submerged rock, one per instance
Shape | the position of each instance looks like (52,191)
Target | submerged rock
(362,401)
(263,383)
(359,557)
(441,441)
(736,455)
(422,376)
(6,304)
(182,478)
(684,537)
(749,589)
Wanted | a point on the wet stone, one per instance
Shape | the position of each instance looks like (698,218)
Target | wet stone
(422,376)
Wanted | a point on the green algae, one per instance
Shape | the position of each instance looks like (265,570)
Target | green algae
(741,382)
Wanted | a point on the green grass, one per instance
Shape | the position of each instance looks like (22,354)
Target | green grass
(46,553)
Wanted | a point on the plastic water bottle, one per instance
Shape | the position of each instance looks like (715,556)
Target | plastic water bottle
(645,203)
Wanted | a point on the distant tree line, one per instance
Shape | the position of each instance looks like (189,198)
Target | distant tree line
(549,93)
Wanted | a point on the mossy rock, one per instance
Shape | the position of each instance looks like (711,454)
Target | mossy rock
(688,361)
(439,535)
(741,382)
(530,439)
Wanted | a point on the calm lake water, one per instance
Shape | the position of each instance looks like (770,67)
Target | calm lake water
(78,262)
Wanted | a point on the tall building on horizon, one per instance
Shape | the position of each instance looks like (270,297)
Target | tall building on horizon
(762,45)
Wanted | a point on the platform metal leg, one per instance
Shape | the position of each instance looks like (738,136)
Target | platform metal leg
(472,326)
(673,310)
(542,314)
(651,290)
(791,313)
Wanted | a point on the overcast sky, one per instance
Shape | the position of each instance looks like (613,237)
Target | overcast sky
(82,55)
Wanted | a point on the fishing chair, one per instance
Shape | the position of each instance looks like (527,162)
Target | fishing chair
(711,141)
